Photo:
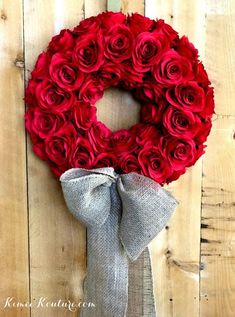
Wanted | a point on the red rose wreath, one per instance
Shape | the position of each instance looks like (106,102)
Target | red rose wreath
(143,56)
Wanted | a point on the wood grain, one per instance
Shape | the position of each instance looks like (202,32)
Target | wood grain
(218,222)
(220,62)
(14,281)
(128,6)
(94,7)
(57,240)
(217,280)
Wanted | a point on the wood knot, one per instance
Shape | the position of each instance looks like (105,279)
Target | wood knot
(3,16)
(168,254)
(19,62)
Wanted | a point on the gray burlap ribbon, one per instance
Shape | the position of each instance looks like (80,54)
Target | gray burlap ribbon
(123,213)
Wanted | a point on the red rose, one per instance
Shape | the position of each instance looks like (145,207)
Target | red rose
(118,44)
(62,42)
(130,78)
(44,124)
(51,97)
(148,92)
(179,123)
(58,147)
(84,115)
(39,149)
(145,133)
(90,24)
(65,73)
(108,75)
(138,23)
(154,164)
(41,67)
(30,93)
(129,163)
(208,110)
(91,91)
(58,170)
(174,176)
(109,19)
(82,156)
(181,152)
(187,49)
(187,96)
(148,48)
(203,132)
(172,69)
(99,136)
(152,113)
(201,75)
(166,30)
(88,52)
(105,159)
(122,141)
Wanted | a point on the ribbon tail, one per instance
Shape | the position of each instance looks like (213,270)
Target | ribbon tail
(106,284)
(140,292)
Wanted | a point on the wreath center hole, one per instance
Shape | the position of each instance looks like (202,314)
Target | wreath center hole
(118,109)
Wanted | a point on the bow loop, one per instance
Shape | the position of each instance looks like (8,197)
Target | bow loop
(146,208)
(87,194)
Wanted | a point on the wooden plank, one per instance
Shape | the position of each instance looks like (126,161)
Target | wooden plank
(218,222)
(94,7)
(129,6)
(14,281)
(113,5)
(220,32)
(57,240)
(217,251)
(159,9)
(175,253)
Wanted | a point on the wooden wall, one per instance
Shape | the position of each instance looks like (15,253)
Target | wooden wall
(42,247)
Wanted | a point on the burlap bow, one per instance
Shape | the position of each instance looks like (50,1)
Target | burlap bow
(123,213)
